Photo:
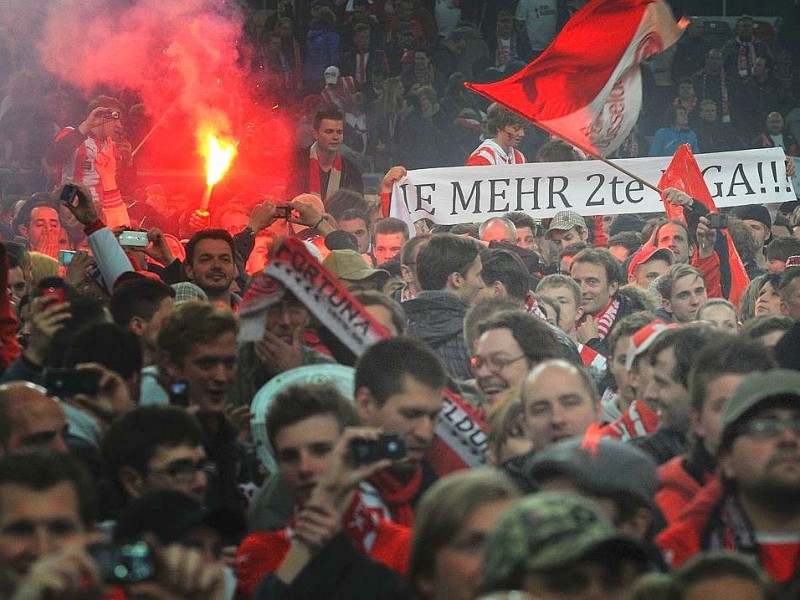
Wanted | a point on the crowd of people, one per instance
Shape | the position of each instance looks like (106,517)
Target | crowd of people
(634,407)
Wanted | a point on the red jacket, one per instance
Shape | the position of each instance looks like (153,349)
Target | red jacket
(261,553)
(676,488)
(682,539)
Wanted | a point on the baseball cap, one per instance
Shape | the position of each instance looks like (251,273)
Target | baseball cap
(643,339)
(185,291)
(332,74)
(648,253)
(349,265)
(608,467)
(549,530)
(565,220)
(754,390)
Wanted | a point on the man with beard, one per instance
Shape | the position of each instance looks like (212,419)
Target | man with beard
(756,510)
(210,264)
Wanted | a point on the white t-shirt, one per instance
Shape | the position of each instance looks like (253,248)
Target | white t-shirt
(539,17)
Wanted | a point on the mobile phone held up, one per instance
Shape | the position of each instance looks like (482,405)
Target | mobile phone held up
(717,221)
(391,446)
(65,257)
(69,195)
(124,563)
(136,239)
(66,383)
(284,211)
(53,287)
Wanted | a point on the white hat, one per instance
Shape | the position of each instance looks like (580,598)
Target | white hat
(332,75)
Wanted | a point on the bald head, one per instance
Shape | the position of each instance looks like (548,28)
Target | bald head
(498,229)
(29,417)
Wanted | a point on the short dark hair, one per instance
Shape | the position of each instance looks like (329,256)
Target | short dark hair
(407,251)
(482,310)
(782,247)
(711,565)
(443,255)
(351,214)
(376,298)
(138,297)
(133,439)
(327,112)
(193,323)
(536,339)
(107,344)
(789,274)
(725,355)
(208,234)
(602,258)
(520,219)
(383,367)
(507,268)
(299,402)
(40,469)
(764,324)
(37,200)
(389,225)
(630,240)
(344,200)
(557,151)
(574,249)
(687,342)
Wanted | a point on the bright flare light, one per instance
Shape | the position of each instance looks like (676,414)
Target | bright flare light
(219,155)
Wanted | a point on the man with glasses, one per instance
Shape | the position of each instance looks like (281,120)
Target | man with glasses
(155,448)
(756,510)
(505,131)
(509,346)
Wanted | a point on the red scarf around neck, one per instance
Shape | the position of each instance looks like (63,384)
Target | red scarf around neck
(397,495)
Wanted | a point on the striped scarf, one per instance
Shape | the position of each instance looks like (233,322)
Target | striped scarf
(606,318)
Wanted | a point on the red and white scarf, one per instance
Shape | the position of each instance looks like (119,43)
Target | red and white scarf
(314,179)
(606,318)
(746,58)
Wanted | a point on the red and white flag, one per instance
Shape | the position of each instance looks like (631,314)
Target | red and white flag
(586,87)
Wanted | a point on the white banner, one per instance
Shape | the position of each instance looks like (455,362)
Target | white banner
(796,178)
(452,195)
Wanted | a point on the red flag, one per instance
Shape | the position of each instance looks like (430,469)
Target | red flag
(684,174)
(586,87)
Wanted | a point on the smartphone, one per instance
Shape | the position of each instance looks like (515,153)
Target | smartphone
(124,563)
(284,211)
(179,393)
(53,287)
(717,220)
(66,383)
(134,238)
(68,193)
(389,445)
(65,257)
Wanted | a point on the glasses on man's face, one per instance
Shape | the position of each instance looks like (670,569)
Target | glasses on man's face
(494,363)
(185,471)
(768,428)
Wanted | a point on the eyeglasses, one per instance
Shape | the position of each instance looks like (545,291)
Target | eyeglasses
(771,428)
(494,363)
(184,471)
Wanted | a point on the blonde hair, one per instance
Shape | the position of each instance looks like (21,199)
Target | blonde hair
(42,266)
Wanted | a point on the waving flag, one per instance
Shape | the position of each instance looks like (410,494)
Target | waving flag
(586,87)
(684,174)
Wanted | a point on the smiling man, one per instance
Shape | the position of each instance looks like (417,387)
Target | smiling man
(509,346)
(560,401)
(210,264)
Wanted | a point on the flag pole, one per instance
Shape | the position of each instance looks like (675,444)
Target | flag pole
(594,154)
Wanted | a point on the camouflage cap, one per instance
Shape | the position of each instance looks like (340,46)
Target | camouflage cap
(548,530)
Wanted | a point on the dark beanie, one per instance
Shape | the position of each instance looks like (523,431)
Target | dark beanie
(754,212)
